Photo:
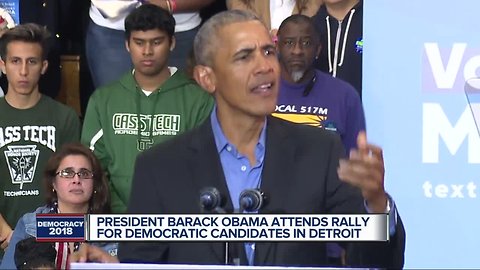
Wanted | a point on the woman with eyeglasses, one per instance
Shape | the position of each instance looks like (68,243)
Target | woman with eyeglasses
(74,184)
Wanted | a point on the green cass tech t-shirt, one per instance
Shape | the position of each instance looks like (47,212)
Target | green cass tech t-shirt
(27,140)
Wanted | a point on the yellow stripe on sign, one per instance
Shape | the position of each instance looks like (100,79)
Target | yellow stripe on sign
(304,119)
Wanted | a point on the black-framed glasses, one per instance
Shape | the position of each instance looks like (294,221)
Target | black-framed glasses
(70,173)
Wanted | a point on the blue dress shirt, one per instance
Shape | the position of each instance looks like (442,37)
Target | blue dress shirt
(239,174)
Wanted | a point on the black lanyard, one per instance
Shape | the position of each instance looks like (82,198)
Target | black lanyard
(309,86)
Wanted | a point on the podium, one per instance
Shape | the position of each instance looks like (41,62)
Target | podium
(182,266)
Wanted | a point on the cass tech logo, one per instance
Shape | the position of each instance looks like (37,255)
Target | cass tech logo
(22,163)
(158,124)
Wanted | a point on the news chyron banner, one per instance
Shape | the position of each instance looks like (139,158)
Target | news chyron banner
(238,227)
(251,228)
(418,59)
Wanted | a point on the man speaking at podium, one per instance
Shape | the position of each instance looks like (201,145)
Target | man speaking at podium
(241,146)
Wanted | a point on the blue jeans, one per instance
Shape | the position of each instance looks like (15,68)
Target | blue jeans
(183,47)
(107,57)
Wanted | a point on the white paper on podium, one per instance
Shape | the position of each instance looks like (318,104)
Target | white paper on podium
(130,266)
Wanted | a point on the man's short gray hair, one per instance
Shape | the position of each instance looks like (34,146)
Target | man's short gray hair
(206,39)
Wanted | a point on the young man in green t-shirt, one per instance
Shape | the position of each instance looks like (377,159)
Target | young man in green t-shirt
(32,126)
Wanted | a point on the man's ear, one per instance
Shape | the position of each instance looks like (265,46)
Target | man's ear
(319,49)
(127,46)
(277,48)
(2,66)
(173,43)
(205,77)
(44,67)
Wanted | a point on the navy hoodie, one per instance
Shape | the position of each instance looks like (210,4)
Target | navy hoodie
(345,40)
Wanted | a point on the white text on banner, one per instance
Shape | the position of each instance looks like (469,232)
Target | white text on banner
(239,227)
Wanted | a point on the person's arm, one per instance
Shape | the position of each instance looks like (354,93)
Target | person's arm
(237,4)
(355,120)
(92,133)
(93,137)
(71,131)
(8,261)
(365,170)
(90,253)
(5,233)
(201,108)
(145,199)
(180,6)
(311,7)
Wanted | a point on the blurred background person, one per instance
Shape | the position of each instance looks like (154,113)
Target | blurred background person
(273,12)
(340,23)
(75,184)
(30,254)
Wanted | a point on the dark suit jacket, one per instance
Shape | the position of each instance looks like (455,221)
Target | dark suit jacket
(299,176)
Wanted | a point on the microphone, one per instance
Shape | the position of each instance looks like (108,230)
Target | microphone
(211,200)
(252,200)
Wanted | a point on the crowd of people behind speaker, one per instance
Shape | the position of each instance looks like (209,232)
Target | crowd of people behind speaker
(73,33)
(98,35)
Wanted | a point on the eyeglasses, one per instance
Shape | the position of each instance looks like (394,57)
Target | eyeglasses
(70,173)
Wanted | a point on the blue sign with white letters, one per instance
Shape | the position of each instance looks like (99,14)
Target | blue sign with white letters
(10,11)
(60,227)
(417,62)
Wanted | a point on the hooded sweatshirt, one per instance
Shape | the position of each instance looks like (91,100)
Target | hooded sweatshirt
(342,45)
(121,121)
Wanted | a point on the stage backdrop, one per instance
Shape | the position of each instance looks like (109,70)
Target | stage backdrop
(417,58)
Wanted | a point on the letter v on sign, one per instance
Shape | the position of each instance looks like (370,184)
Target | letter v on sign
(445,75)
